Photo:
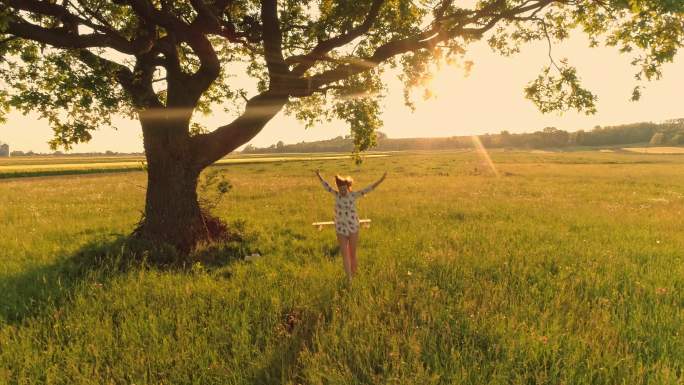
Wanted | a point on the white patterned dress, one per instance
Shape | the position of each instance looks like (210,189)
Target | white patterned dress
(346,218)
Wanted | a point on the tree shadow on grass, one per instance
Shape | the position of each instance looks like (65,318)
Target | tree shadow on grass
(31,292)
(37,290)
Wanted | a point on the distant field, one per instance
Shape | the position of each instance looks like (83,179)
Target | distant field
(68,165)
(34,160)
(656,150)
(44,166)
(566,269)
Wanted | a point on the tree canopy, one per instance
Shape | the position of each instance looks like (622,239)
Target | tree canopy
(79,62)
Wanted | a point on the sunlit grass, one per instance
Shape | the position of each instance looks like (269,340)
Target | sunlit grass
(566,269)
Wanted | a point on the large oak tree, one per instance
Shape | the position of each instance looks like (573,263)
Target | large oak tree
(79,62)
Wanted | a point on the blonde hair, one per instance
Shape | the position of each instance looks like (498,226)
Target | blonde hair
(341,181)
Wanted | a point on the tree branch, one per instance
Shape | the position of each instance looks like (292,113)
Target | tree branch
(548,41)
(427,39)
(259,110)
(381,54)
(273,41)
(151,15)
(200,81)
(64,38)
(320,51)
(167,46)
(95,14)
(50,9)
(141,96)
(106,37)
(206,16)
(184,90)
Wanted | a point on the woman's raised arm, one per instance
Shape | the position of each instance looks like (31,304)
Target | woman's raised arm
(372,186)
(325,184)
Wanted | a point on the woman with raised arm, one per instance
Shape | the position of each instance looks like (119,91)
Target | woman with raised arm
(346,218)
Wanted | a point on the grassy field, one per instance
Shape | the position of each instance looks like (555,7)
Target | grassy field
(566,269)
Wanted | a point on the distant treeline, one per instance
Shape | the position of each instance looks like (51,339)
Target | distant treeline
(670,132)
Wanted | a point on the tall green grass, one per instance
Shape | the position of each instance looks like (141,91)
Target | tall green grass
(568,269)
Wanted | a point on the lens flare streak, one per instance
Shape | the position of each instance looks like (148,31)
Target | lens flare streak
(482,151)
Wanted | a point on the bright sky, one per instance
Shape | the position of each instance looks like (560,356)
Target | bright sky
(489,100)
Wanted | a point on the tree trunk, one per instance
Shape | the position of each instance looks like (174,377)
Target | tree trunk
(173,215)
(172,212)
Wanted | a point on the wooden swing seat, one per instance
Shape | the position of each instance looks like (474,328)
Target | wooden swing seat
(363,222)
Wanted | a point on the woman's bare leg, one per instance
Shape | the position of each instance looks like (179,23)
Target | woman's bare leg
(344,250)
(353,242)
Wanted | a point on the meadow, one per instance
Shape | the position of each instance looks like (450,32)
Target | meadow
(566,268)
